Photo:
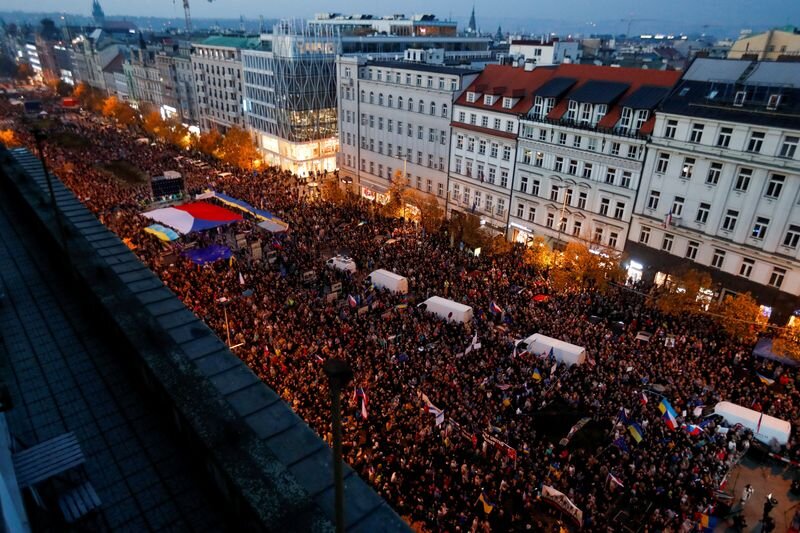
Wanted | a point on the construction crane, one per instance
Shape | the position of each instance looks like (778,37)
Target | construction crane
(630,22)
(188,16)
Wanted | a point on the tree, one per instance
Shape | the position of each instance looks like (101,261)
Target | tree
(577,268)
(741,317)
(397,195)
(331,192)
(538,254)
(8,138)
(466,228)
(87,96)
(681,294)
(24,71)
(208,142)
(153,124)
(787,342)
(431,214)
(238,148)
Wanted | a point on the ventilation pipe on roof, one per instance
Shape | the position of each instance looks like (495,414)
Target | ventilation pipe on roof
(529,66)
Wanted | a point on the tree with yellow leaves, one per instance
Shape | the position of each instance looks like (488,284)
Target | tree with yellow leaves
(208,142)
(741,317)
(119,111)
(8,138)
(538,254)
(577,268)
(787,342)
(153,124)
(238,148)
(681,294)
(431,213)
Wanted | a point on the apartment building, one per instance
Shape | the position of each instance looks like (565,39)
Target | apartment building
(582,145)
(544,51)
(721,184)
(394,116)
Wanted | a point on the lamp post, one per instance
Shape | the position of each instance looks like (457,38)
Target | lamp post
(339,375)
(225,301)
(39,137)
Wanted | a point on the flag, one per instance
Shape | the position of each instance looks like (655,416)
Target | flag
(536,375)
(553,369)
(668,414)
(621,444)
(622,416)
(765,380)
(643,398)
(241,279)
(614,480)
(692,430)
(495,309)
(318,358)
(636,432)
(359,394)
(668,219)
(551,354)
(758,428)
(437,413)
(487,505)
(352,300)
(708,522)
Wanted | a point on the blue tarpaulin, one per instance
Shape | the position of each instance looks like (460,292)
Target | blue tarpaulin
(244,206)
(212,253)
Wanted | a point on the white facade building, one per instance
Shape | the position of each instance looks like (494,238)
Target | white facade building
(394,117)
(545,52)
(581,150)
(721,185)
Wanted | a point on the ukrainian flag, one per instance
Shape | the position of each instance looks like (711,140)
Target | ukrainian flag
(636,432)
(488,507)
(537,375)
(765,380)
(708,522)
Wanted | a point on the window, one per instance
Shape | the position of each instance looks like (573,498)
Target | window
(738,100)
(702,213)
(470,144)
(605,203)
(697,133)
(576,228)
(543,135)
(506,153)
(729,222)
(472,118)
(523,185)
(619,210)
(615,148)
(598,234)
(591,144)
(390,125)
(538,159)
(421,107)
(714,172)
(670,129)
(572,111)
(551,218)
(666,243)
(468,169)
(520,211)
(510,126)
(531,213)
(558,166)
(691,250)
(724,137)
(554,193)
(612,239)
(562,138)
(459,141)
(627,177)
(442,137)
(644,235)
(582,200)
(458,165)
(641,117)
(789,146)
(535,188)
(471,96)
(503,177)
(662,163)
(587,170)
(625,119)
(677,207)
(428,185)
(718,259)
(633,151)
(776,278)
(576,141)
(444,110)
(792,236)
(743,179)
(462,116)
(755,142)
(489,203)
(479,173)
(760,228)
(746,268)
(538,103)
(775,186)
(482,146)
(501,207)
(611,175)
(433,108)
(484,121)
(572,168)
(420,132)
(562,224)
(688,168)
(456,192)
(493,151)
(568,197)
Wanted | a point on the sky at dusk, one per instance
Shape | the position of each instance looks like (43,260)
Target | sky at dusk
(649,15)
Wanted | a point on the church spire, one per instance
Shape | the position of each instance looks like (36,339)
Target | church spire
(472,27)
(97,13)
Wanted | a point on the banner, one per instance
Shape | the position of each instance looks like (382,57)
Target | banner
(500,445)
(560,500)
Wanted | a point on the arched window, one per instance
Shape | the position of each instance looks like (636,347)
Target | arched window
(399,102)
(380,98)
(411,104)
(433,108)
(421,107)
(371,97)
(363,98)
(389,101)
(444,110)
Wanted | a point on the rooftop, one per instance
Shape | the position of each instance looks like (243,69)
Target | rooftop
(248,43)
(423,67)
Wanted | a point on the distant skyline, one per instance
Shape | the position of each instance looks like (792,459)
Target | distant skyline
(585,16)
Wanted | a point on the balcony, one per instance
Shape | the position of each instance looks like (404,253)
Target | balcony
(585,127)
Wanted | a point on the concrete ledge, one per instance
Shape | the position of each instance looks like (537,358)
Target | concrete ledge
(274,472)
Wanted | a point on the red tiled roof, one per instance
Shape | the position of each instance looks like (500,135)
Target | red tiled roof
(510,79)
(487,131)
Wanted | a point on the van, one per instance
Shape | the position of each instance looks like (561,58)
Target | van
(766,429)
(343,263)
(564,352)
(448,309)
(384,279)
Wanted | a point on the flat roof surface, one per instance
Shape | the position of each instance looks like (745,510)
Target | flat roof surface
(423,67)
(65,375)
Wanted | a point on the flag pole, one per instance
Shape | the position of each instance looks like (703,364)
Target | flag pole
(339,374)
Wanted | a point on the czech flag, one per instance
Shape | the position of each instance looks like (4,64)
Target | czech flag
(352,300)
(668,414)
(693,430)
(642,398)
(636,432)
(495,309)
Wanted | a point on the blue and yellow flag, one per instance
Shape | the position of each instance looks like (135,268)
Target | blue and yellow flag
(636,432)
(488,507)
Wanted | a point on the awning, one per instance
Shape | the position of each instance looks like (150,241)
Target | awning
(274,225)
(162,232)
(209,254)
(196,216)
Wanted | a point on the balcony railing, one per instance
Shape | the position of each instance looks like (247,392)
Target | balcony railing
(585,127)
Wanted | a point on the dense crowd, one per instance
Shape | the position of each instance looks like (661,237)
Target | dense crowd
(448,477)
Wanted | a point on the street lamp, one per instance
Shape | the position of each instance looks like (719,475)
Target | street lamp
(39,136)
(225,301)
(339,375)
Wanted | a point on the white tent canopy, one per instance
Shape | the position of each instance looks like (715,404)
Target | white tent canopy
(563,352)
(272,226)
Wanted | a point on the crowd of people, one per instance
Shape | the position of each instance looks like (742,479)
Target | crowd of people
(450,475)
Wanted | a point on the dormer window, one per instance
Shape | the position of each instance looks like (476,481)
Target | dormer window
(773,102)
(641,117)
(538,105)
(586,113)
(600,111)
(508,103)
(625,119)
(738,100)
(549,104)
(489,99)
(472,97)
(572,112)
